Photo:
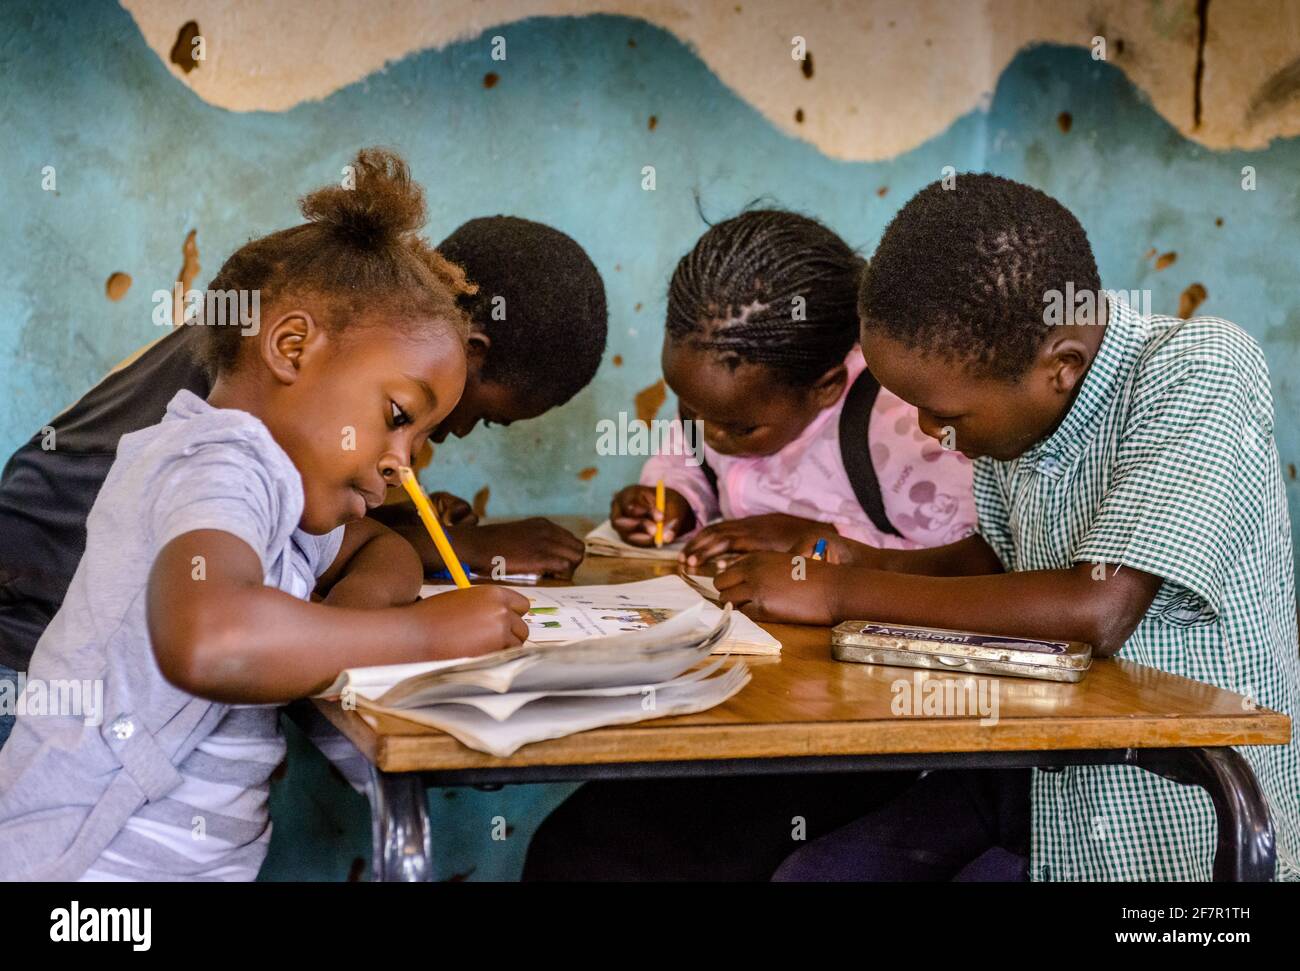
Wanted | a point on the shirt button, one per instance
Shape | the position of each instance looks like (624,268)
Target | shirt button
(122,728)
(1049,464)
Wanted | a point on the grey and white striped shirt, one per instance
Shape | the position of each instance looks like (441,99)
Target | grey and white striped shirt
(161,785)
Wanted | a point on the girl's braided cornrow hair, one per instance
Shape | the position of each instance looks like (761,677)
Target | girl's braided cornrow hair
(768,287)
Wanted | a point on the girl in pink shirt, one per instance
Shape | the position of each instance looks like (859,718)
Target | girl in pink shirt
(798,439)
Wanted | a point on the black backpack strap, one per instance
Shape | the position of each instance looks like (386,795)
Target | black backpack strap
(855,450)
(707,469)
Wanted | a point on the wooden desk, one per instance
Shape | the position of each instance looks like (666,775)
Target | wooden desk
(804,712)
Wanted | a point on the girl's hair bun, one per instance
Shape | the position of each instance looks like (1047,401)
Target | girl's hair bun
(377,205)
(359,256)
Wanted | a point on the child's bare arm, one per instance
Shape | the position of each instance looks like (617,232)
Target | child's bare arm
(218,632)
(969,557)
(533,545)
(375,567)
(1057,604)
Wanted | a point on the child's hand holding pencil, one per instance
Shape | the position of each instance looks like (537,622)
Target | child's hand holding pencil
(470,621)
(636,518)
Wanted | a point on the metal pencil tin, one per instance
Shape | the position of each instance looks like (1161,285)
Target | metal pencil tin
(868,642)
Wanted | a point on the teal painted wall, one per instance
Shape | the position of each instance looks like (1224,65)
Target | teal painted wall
(562,138)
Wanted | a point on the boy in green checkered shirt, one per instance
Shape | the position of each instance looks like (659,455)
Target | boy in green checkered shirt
(1129,495)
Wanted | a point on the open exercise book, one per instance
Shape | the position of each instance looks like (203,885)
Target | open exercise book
(604,541)
(576,613)
(621,653)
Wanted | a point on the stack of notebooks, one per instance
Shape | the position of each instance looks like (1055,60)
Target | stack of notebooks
(603,655)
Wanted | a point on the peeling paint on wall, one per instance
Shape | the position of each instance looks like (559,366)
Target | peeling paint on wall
(189,272)
(1123,170)
(649,400)
(937,60)
(1190,299)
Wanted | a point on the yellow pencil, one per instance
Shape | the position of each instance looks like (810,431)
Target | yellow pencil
(430,520)
(659,504)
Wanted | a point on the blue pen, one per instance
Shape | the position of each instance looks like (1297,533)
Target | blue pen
(520,578)
(445,574)
(819,550)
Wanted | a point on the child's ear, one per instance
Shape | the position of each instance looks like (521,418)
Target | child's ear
(1068,363)
(826,390)
(477,346)
(285,344)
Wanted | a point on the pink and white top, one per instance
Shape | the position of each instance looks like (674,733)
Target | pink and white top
(926,489)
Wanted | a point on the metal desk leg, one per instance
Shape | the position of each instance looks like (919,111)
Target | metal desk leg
(399,820)
(1246,850)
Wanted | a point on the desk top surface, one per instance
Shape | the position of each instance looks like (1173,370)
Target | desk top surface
(805,703)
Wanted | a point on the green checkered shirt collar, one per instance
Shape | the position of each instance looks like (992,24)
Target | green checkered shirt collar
(1121,346)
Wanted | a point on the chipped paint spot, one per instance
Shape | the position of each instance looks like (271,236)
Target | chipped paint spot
(116,286)
(807,66)
(1190,299)
(1290,470)
(1218,221)
(589,473)
(798,115)
(650,400)
(490,79)
(618,360)
(182,53)
(654,120)
(1150,253)
(1166,260)
(1065,121)
(480,501)
(636,309)
(882,191)
(189,272)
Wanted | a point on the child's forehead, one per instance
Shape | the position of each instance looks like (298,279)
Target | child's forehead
(924,379)
(422,359)
(726,394)
(390,333)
